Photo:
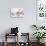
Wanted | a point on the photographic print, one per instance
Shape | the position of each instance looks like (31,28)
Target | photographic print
(16,12)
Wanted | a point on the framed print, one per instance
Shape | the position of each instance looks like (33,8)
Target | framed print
(16,12)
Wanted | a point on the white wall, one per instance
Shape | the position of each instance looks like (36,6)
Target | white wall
(24,24)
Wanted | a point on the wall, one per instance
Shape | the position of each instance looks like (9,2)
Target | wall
(24,24)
